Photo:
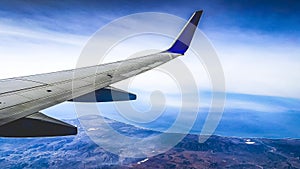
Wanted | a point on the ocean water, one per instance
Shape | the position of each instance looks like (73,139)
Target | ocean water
(244,116)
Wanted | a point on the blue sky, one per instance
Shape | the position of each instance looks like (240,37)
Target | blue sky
(276,17)
(257,41)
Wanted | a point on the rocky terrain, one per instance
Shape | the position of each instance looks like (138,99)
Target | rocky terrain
(224,152)
(217,152)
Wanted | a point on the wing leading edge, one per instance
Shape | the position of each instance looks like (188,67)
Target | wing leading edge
(22,98)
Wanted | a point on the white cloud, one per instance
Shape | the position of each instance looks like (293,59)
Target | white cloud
(259,64)
(27,51)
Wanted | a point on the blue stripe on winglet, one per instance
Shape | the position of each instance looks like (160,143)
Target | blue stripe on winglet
(183,41)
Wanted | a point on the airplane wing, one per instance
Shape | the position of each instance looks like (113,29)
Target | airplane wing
(22,98)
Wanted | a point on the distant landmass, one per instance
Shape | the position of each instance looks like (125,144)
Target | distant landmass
(81,152)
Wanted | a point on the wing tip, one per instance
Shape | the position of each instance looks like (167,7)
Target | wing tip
(182,42)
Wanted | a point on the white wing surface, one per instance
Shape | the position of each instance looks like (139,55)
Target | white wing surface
(22,98)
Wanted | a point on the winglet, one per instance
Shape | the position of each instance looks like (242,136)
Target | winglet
(184,39)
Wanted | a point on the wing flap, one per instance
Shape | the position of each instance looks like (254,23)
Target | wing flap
(37,125)
(107,94)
